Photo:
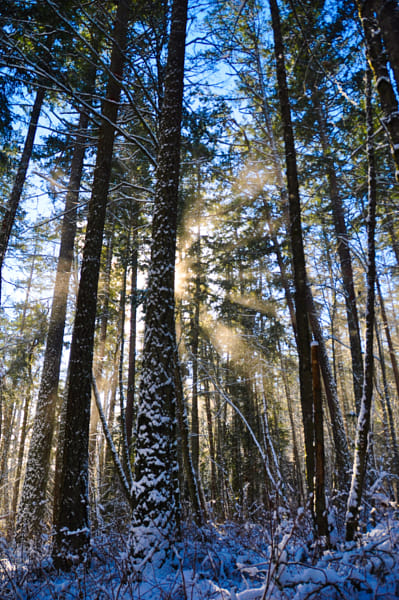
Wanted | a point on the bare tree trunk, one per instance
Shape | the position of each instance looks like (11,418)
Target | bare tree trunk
(388,337)
(343,459)
(345,261)
(131,378)
(8,219)
(363,424)
(297,249)
(388,18)
(387,406)
(33,498)
(320,494)
(379,65)
(72,522)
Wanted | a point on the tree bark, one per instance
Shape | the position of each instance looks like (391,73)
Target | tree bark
(297,249)
(388,18)
(131,378)
(344,259)
(72,522)
(363,424)
(33,499)
(320,495)
(13,202)
(156,514)
(379,65)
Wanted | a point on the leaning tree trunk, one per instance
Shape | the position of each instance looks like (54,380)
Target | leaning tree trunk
(13,202)
(156,512)
(298,256)
(72,522)
(363,424)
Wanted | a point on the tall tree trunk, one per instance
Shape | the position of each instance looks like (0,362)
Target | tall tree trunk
(20,177)
(320,494)
(343,459)
(387,406)
(363,424)
(379,65)
(98,367)
(388,18)
(388,337)
(72,522)
(215,500)
(195,445)
(298,256)
(156,511)
(131,377)
(33,499)
(344,259)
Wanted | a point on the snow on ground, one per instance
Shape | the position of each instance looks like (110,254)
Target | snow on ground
(268,561)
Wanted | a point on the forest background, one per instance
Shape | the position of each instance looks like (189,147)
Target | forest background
(198,292)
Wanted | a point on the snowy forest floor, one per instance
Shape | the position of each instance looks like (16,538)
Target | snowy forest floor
(274,560)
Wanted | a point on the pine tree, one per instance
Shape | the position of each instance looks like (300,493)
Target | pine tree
(156,494)
(72,522)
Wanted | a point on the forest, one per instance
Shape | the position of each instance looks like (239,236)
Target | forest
(199,288)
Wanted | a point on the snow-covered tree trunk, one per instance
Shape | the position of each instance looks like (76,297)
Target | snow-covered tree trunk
(72,522)
(156,493)
(363,424)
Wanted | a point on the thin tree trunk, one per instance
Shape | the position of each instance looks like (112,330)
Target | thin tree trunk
(98,367)
(363,425)
(131,378)
(343,459)
(387,331)
(215,500)
(72,522)
(195,493)
(320,495)
(387,406)
(122,408)
(345,261)
(297,249)
(20,177)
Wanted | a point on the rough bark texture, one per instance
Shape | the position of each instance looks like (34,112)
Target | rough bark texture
(299,269)
(363,425)
(72,523)
(156,511)
(131,378)
(320,494)
(379,64)
(33,498)
(8,219)
(388,18)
